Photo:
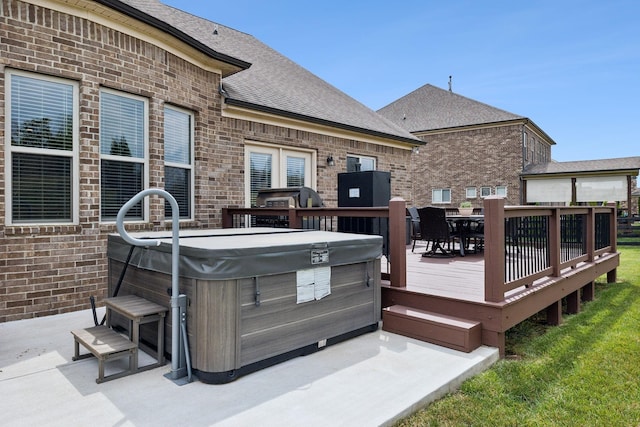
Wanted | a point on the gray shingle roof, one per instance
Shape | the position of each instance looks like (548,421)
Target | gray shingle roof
(431,108)
(273,82)
(584,166)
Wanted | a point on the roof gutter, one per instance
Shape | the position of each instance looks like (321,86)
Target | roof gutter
(163,26)
(525,121)
(302,117)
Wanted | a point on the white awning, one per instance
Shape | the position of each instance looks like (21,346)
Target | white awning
(548,190)
(601,189)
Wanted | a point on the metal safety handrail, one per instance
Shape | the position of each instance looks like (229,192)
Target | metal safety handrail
(177,371)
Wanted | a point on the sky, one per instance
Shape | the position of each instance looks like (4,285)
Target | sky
(572,67)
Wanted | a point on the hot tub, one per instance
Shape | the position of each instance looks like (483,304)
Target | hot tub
(257,296)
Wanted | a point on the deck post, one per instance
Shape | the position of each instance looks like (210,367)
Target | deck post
(612,276)
(588,291)
(397,243)
(554,313)
(494,263)
(495,339)
(294,220)
(573,302)
(555,221)
(227,219)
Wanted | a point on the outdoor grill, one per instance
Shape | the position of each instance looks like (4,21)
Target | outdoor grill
(290,197)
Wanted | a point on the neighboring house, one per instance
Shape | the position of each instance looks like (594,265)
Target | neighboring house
(101,99)
(587,181)
(473,150)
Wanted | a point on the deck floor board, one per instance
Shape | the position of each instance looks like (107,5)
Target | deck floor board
(456,277)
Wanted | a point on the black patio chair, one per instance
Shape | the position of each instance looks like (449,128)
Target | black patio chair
(415,226)
(435,228)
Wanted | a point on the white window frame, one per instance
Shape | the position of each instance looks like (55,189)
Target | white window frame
(10,150)
(484,190)
(471,193)
(501,190)
(279,165)
(437,196)
(185,166)
(144,162)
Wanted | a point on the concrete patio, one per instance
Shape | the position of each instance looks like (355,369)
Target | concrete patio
(372,380)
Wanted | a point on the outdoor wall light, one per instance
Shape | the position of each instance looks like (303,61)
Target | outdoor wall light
(415,150)
(330,161)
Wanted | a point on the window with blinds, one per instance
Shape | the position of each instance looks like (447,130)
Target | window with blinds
(123,129)
(178,152)
(42,166)
(260,173)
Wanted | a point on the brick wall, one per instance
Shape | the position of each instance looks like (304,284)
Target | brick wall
(47,270)
(486,157)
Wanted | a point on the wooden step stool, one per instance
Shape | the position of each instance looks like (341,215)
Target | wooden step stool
(105,344)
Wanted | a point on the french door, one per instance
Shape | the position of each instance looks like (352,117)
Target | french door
(276,167)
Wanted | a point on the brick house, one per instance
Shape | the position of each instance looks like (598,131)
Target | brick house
(101,99)
(473,150)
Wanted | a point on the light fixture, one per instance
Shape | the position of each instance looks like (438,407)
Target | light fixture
(415,150)
(330,161)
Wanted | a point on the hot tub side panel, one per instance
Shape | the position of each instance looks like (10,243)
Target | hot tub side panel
(279,324)
(227,330)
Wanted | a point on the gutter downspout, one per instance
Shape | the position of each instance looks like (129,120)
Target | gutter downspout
(175,256)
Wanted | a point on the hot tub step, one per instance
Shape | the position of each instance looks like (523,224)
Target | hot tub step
(105,344)
(447,331)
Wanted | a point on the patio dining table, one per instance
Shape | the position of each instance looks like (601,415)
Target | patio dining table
(466,227)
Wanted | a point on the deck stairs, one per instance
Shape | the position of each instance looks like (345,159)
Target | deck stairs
(447,331)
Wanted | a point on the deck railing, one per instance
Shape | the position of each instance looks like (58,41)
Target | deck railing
(526,244)
(523,244)
(388,222)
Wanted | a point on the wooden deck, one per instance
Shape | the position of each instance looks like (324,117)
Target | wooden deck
(455,286)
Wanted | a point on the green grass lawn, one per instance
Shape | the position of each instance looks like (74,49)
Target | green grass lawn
(585,372)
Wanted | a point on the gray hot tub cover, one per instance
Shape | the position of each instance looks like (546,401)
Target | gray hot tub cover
(248,252)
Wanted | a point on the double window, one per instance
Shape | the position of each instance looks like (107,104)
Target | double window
(124,155)
(41,150)
(441,195)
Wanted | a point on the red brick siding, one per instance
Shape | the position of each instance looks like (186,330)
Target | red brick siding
(486,157)
(48,270)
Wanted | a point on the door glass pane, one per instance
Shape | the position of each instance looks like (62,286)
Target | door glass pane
(260,164)
(295,171)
